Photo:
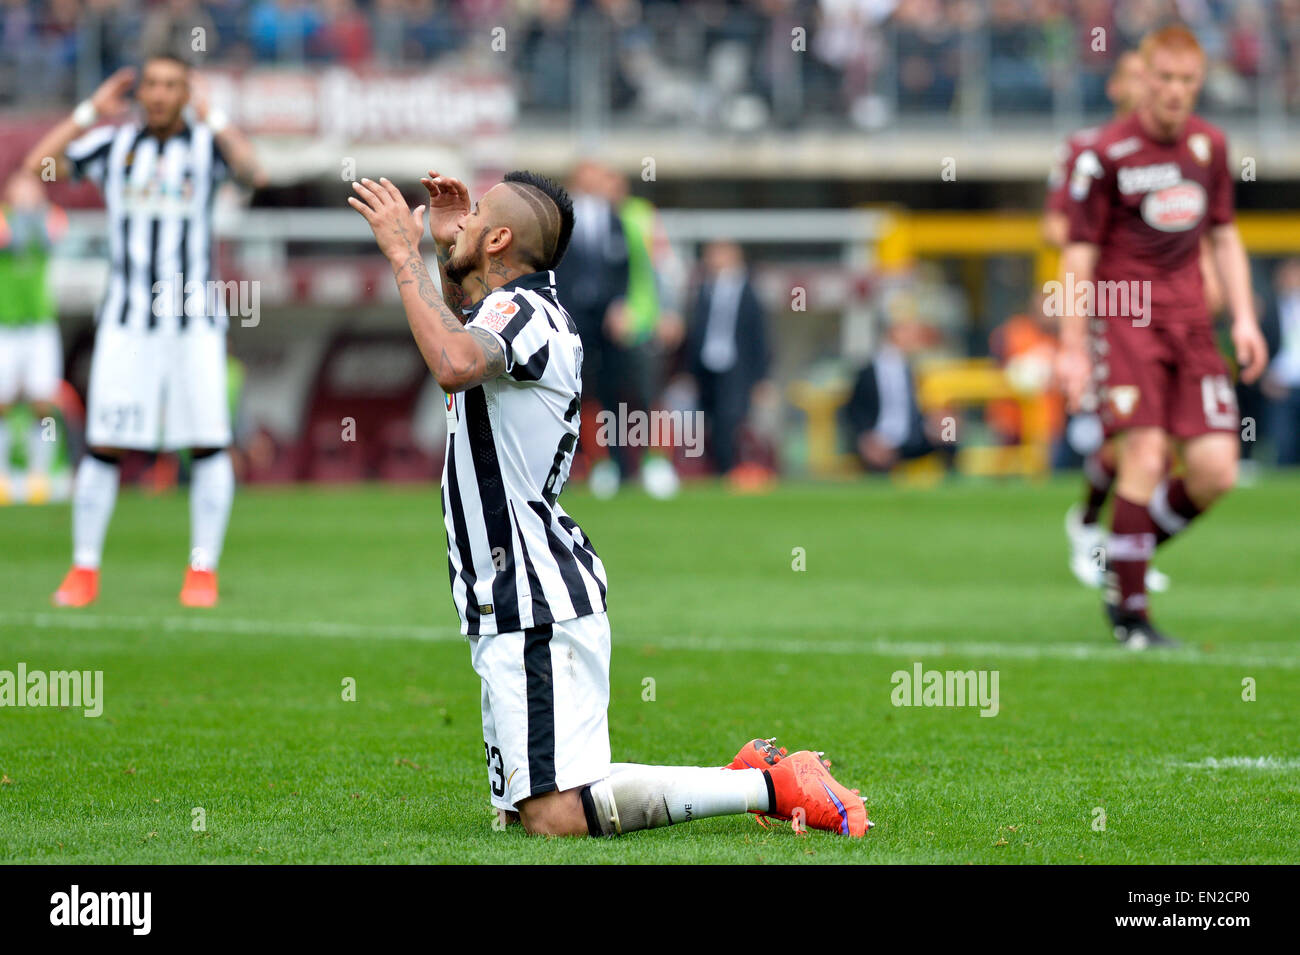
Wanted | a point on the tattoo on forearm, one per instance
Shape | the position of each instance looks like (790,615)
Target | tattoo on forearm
(486,361)
(428,292)
(494,359)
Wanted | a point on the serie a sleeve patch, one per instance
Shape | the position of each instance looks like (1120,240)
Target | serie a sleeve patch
(498,315)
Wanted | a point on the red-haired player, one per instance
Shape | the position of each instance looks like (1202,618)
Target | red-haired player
(1140,200)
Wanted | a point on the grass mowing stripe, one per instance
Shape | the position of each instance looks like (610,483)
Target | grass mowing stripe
(884,648)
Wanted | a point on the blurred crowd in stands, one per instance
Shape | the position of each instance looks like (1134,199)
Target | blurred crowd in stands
(745,63)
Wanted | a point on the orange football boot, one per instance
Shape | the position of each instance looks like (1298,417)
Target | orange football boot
(200,589)
(801,781)
(758,754)
(79,588)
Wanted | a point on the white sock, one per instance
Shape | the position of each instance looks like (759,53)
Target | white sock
(39,451)
(616,768)
(92,506)
(212,491)
(646,797)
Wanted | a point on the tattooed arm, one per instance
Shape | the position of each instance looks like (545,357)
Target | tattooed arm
(459,357)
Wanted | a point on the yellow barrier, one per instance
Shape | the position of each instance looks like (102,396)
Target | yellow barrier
(910,235)
(942,385)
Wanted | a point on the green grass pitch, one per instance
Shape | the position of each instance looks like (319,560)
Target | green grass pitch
(239,711)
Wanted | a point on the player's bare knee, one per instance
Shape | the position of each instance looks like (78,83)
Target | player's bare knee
(1143,464)
(1206,484)
(541,822)
(553,814)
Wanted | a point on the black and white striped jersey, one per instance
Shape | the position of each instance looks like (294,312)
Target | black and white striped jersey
(515,558)
(159,201)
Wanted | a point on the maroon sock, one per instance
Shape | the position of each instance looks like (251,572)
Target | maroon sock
(1132,542)
(1100,478)
(1171,509)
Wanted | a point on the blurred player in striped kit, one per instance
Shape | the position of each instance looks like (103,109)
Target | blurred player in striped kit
(158,374)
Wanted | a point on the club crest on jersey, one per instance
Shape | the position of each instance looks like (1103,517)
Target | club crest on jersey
(497,315)
(1199,144)
(1175,209)
(1124,399)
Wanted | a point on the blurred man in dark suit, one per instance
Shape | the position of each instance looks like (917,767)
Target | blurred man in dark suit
(884,419)
(1281,384)
(592,283)
(726,348)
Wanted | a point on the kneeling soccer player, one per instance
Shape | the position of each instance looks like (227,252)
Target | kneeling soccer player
(525,579)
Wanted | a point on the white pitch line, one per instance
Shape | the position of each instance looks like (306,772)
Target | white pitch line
(1269,763)
(73,620)
(1099,652)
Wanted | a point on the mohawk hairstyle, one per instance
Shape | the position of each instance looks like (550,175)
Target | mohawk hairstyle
(557,244)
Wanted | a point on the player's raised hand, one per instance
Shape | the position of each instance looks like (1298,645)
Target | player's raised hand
(448,204)
(397,229)
(1073,374)
(200,100)
(111,99)
(1252,350)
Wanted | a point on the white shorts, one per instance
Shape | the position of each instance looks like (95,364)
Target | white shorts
(31,362)
(151,390)
(545,695)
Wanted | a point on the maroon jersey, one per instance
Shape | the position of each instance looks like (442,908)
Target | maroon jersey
(1146,204)
(1058,197)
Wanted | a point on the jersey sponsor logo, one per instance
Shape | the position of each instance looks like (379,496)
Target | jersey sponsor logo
(1161,175)
(497,315)
(1176,208)
(450,402)
(1199,144)
(1125,147)
(1124,399)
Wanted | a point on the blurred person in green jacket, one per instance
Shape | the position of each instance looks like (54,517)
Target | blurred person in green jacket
(31,353)
(645,326)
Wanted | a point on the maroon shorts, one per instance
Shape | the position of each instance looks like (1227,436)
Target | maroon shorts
(1168,376)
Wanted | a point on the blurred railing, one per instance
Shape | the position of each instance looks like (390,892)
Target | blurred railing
(980,64)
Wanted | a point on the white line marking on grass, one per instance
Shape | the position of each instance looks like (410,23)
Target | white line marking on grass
(73,620)
(1088,652)
(1271,763)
